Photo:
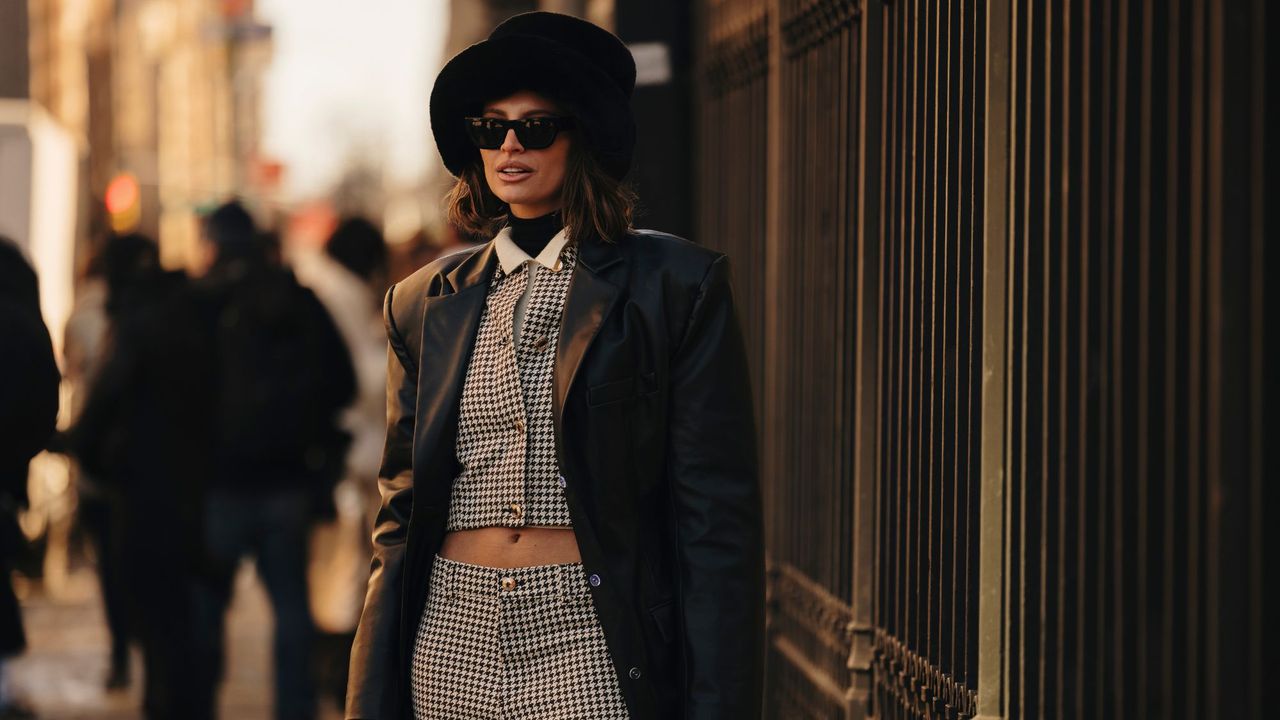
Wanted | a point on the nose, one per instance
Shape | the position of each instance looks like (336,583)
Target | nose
(510,143)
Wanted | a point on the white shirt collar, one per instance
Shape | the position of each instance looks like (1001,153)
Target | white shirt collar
(510,256)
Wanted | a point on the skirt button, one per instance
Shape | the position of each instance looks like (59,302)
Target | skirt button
(508,583)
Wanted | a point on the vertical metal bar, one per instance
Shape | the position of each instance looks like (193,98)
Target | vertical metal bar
(929,329)
(991,609)
(1215,239)
(865,569)
(1115,427)
(1045,292)
(911,634)
(948,437)
(1083,358)
(1062,475)
(1258,185)
(1195,467)
(973,231)
(1144,449)
(901,517)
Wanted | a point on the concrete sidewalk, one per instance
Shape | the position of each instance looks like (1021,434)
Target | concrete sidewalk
(61,674)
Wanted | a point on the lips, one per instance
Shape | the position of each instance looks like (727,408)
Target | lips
(514,172)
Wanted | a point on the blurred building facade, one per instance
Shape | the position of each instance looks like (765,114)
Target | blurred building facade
(162,96)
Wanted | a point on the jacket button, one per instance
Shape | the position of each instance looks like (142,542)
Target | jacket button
(560,479)
(517,510)
(634,673)
(594,580)
(541,343)
(519,424)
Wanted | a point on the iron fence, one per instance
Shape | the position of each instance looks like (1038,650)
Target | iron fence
(1001,264)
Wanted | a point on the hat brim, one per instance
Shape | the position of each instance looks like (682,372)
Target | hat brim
(495,68)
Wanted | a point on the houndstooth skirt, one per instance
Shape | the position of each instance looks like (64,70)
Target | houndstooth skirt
(512,644)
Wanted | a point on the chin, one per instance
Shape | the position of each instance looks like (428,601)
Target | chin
(523,198)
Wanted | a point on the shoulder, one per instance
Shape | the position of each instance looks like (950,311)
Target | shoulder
(429,280)
(681,261)
(404,299)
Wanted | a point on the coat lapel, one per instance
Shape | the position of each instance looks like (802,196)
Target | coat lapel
(449,325)
(590,298)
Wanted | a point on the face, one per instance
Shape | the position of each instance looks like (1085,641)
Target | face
(529,181)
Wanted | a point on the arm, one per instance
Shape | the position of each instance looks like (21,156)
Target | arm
(28,393)
(717,506)
(95,437)
(373,686)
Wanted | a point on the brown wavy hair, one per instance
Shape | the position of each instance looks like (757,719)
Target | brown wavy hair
(591,199)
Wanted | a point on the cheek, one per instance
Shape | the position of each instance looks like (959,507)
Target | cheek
(561,163)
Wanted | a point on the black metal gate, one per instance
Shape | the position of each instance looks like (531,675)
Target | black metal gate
(1001,265)
(930,358)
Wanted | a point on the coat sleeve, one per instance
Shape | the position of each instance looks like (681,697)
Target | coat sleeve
(28,394)
(716,500)
(373,688)
(98,431)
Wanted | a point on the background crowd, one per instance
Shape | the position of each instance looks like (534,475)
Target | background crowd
(230,414)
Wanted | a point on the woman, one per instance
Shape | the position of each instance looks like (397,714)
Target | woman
(571,520)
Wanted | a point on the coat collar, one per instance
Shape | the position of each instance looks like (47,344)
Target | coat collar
(480,265)
(510,256)
(592,292)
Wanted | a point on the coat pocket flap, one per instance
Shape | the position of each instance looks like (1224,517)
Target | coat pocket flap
(664,616)
(607,392)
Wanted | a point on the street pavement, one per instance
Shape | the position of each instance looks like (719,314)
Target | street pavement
(61,674)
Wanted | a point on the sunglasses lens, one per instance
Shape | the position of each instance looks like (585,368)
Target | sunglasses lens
(485,134)
(536,134)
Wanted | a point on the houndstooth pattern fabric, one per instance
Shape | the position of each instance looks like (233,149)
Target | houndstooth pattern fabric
(506,440)
(512,643)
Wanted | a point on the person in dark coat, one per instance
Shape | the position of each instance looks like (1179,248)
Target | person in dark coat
(283,377)
(28,410)
(84,348)
(144,433)
(571,524)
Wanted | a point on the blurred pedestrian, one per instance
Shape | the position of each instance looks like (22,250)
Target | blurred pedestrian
(144,435)
(349,277)
(28,410)
(283,378)
(571,523)
(84,348)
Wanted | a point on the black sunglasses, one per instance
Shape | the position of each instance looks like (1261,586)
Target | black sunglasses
(534,133)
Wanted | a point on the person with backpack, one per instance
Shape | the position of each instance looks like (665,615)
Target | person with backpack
(283,377)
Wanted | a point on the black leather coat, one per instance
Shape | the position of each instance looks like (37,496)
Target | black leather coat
(655,435)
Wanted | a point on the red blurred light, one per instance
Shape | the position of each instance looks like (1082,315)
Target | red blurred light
(122,193)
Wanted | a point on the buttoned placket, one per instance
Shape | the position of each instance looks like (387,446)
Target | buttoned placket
(511,410)
(536,328)
(508,372)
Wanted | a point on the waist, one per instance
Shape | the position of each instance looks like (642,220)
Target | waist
(562,579)
(511,547)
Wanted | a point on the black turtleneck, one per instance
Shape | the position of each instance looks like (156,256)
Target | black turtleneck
(532,234)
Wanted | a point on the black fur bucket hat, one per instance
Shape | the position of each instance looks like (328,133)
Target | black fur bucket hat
(581,66)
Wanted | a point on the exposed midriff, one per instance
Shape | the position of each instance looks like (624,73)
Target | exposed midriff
(496,546)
